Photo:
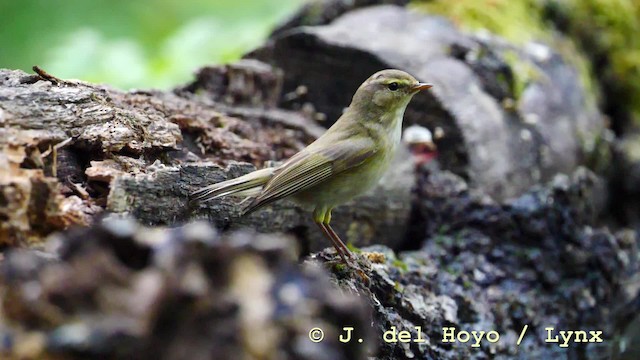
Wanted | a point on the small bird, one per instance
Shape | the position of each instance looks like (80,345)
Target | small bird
(346,161)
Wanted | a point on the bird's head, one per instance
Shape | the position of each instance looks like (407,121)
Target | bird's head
(387,90)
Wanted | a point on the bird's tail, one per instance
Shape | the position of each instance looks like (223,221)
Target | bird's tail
(246,185)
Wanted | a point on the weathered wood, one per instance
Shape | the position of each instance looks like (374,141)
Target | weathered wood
(144,152)
(117,290)
(160,196)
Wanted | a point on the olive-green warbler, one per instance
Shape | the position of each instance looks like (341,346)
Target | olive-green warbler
(347,160)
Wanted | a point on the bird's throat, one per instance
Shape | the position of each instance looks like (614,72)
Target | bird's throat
(388,128)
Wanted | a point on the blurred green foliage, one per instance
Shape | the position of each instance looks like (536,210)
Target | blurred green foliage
(146,43)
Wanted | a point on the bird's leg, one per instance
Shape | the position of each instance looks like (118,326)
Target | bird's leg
(335,245)
(319,217)
(345,250)
(336,240)
(334,236)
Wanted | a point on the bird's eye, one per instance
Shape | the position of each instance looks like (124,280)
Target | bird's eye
(393,86)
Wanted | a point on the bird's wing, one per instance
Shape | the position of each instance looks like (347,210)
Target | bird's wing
(311,167)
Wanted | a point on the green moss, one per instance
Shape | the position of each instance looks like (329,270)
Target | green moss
(353,248)
(608,31)
(597,150)
(467,284)
(401,265)
(443,229)
(339,268)
(519,21)
(443,240)
(451,270)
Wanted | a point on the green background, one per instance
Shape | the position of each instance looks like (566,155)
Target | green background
(133,44)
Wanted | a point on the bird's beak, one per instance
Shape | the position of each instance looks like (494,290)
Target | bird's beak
(421,86)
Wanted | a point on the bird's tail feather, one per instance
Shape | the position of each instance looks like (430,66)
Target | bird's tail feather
(245,185)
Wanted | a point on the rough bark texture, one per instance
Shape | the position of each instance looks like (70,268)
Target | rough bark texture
(118,290)
(535,261)
(160,196)
(121,291)
(143,153)
(500,126)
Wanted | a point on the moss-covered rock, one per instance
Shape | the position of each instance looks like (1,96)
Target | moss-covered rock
(520,22)
(607,31)
(604,30)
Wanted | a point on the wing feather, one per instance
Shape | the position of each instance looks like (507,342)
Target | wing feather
(312,167)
